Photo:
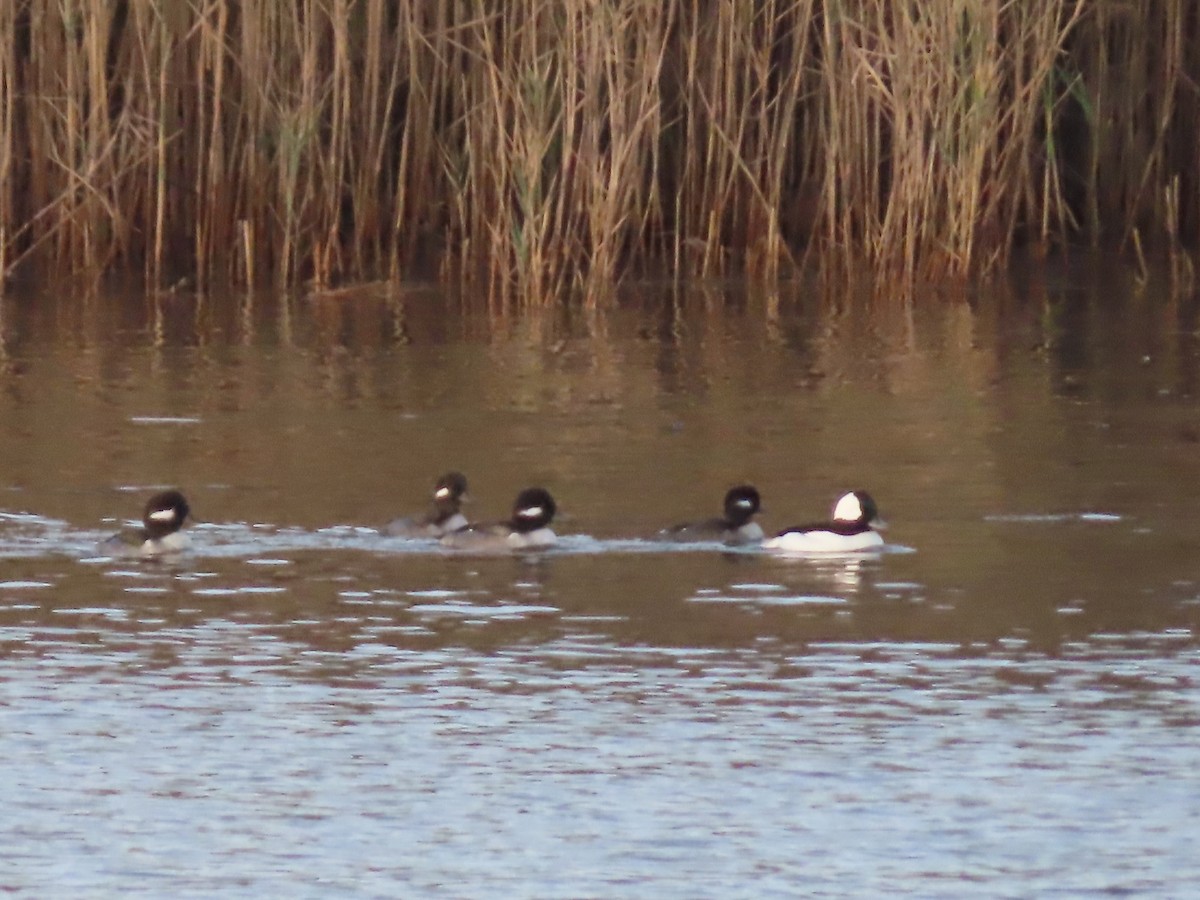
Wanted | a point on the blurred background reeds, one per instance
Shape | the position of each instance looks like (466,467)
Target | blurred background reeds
(536,149)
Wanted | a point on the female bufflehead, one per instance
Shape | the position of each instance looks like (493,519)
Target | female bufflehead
(735,527)
(445,516)
(854,527)
(162,518)
(528,529)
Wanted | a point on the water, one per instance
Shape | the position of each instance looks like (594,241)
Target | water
(1004,703)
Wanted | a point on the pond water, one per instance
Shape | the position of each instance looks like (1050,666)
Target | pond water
(1002,703)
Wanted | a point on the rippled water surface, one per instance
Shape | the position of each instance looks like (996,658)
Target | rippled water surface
(1002,703)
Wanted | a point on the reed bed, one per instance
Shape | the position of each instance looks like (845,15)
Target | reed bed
(536,149)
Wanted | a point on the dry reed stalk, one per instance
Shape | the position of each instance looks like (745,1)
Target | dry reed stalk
(370,138)
(1180,268)
(9,203)
(954,88)
(611,138)
(153,85)
(248,274)
(1138,73)
(1169,55)
(430,167)
(217,219)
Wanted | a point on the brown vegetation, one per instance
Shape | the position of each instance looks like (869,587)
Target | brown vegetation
(538,147)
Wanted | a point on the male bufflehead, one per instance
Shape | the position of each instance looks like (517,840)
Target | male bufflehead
(735,527)
(445,515)
(162,517)
(528,529)
(854,527)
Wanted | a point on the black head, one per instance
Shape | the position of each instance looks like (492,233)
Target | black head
(533,509)
(741,503)
(450,490)
(857,507)
(164,514)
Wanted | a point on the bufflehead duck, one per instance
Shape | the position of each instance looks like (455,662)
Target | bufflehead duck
(854,527)
(735,527)
(528,529)
(445,516)
(162,517)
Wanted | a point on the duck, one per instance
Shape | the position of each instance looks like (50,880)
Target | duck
(855,527)
(528,529)
(444,516)
(734,527)
(162,518)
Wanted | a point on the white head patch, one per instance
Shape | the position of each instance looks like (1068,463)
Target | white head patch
(531,512)
(848,509)
(163,515)
(441,493)
(744,502)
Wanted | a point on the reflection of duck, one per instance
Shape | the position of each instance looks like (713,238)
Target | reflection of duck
(528,529)
(449,493)
(845,573)
(855,526)
(162,517)
(735,527)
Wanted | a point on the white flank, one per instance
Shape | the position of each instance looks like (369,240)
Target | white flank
(533,540)
(824,542)
(171,543)
(454,523)
(749,532)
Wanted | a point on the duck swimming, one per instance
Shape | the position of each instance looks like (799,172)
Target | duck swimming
(855,526)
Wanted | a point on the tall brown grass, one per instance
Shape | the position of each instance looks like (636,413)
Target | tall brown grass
(537,148)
